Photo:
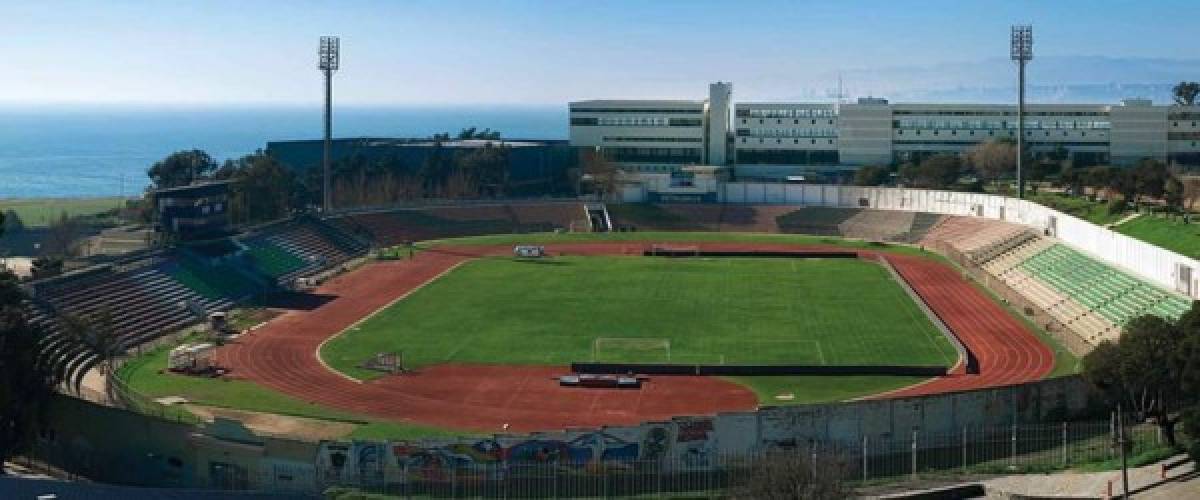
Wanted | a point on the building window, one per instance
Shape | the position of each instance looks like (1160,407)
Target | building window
(814,122)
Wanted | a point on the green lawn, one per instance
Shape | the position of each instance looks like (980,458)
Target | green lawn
(147,375)
(552,311)
(1171,234)
(40,211)
(1092,211)
(668,236)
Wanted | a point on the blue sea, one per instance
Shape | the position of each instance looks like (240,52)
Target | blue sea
(105,151)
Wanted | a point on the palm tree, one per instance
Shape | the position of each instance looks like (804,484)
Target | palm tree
(97,334)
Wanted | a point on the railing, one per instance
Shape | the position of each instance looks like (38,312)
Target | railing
(903,457)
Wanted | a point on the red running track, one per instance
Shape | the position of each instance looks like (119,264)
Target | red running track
(282,355)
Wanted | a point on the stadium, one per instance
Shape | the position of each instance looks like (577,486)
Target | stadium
(405,340)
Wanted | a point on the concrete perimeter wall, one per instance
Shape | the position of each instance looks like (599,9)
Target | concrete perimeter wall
(1150,262)
(122,447)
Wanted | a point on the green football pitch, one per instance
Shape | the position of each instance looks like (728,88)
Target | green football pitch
(637,309)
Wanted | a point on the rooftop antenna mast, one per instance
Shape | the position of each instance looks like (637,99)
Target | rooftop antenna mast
(1021,51)
(328,55)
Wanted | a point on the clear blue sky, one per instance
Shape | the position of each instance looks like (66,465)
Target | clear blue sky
(534,52)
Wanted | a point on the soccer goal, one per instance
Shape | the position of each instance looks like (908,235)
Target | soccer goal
(631,350)
(386,362)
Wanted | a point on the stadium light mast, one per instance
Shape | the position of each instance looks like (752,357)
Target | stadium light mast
(1021,51)
(327,61)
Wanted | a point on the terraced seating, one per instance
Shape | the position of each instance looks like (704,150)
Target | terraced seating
(877,225)
(213,281)
(145,301)
(753,218)
(921,225)
(288,250)
(548,216)
(399,226)
(820,221)
(1003,263)
(1103,291)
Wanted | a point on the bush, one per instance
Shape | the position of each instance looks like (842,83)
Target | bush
(792,474)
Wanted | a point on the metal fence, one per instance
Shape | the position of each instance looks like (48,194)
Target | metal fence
(896,458)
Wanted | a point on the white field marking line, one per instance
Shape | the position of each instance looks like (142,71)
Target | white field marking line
(354,325)
(815,342)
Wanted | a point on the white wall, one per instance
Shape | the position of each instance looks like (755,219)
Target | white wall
(1147,261)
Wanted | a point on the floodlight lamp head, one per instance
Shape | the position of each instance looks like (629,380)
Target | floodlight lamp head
(327,54)
(1021,48)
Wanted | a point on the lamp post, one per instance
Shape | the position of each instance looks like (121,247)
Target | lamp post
(1021,51)
(328,56)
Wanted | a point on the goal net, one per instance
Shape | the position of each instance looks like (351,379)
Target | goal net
(387,362)
(631,350)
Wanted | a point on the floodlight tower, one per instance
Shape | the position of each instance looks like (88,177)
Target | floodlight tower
(327,62)
(1021,51)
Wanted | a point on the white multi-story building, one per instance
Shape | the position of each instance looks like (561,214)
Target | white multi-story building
(828,140)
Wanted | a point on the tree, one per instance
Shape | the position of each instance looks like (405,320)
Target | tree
(792,474)
(27,379)
(600,172)
(994,159)
(261,189)
(1186,92)
(871,175)
(475,133)
(62,237)
(46,266)
(181,168)
(1150,179)
(10,222)
(97,333)
(1173,193)
(1153,370)
(936,171)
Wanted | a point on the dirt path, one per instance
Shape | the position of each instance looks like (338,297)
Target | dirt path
(492,398)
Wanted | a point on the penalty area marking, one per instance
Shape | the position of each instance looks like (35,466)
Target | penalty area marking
(355,325)
(814,342)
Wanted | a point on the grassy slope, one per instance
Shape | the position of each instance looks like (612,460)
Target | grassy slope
(1171,234)
(736,310)
(1094,212)
(148,376)
(40,211)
